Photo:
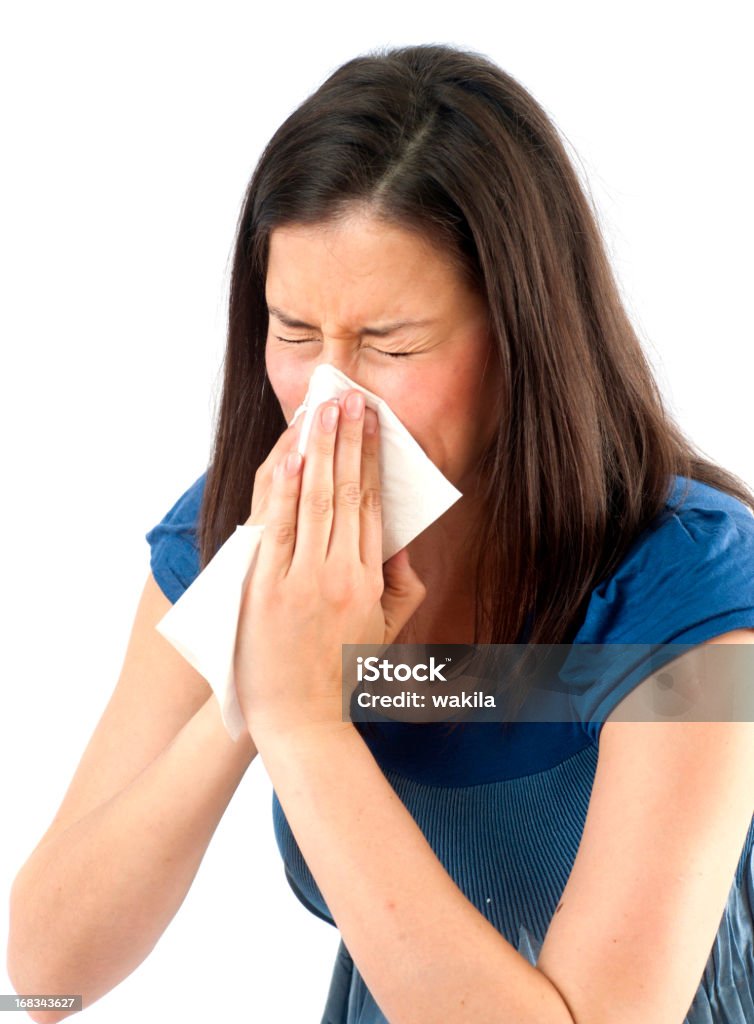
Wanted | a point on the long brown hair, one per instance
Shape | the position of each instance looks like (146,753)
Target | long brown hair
(443,141)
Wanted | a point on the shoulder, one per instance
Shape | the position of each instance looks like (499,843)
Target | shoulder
(174,543)
(687,577)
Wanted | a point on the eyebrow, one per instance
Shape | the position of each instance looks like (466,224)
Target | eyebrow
(375,332)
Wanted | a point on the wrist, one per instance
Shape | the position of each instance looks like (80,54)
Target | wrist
(284,720)
(270,735)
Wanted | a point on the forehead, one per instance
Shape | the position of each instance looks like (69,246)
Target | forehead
(358,266)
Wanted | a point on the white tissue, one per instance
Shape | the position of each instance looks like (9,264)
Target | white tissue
(203,622)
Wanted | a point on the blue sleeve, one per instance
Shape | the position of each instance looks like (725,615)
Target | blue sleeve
(174,558)
(686,580)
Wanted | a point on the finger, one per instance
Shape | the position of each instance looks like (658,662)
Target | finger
(371,494)
(279,535)
(316,497)
(347,489)
(288,441)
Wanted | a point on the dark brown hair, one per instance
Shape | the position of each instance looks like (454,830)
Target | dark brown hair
(443,141)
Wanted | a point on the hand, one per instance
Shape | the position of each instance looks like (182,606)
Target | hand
(319,581)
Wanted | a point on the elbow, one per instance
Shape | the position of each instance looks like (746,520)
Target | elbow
(28,975)
(25,988)
(27,983)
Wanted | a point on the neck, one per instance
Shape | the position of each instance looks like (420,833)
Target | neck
(443,556)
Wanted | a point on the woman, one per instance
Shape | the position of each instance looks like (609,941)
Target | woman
(417,223)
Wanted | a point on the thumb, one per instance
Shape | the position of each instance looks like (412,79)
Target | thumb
(402,594)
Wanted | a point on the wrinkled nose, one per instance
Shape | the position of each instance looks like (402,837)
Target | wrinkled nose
(343,358)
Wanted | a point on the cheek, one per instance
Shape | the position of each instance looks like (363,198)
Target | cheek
(446,418)
(289,379)
(442,401)
(427,401)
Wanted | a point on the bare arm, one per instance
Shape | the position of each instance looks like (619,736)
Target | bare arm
(107,878)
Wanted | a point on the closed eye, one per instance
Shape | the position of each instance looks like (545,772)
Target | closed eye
(303,341)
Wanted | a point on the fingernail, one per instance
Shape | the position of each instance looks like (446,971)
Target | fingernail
(354,405)
(370,422)
(292,463)
(330,416)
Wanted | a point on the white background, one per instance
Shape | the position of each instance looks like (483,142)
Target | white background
(129,134)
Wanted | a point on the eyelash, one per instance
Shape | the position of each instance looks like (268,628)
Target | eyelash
(302,341)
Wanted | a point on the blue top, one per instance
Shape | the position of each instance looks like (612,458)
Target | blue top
(505,815)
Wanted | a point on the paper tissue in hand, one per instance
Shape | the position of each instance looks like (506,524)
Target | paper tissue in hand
(203,622)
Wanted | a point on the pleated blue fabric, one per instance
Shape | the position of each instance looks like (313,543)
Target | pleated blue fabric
(510,846)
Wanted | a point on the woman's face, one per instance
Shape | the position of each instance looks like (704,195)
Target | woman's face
(335,294)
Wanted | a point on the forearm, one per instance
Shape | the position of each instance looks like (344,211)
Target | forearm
(92,902)
(424,950)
